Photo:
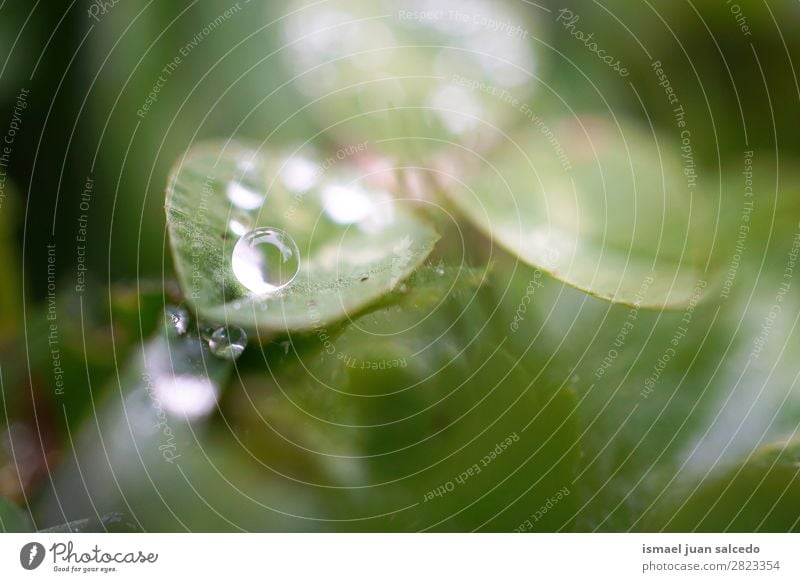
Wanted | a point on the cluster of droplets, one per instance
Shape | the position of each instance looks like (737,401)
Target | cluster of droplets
(226,342)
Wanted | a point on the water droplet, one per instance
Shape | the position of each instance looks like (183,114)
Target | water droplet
(265,260)
(245,190)
(243,197)
(300,174)
(179,318)
(440,271)
(186,395)
(228,342)
(346,205)
(206,331)
(240,223)
(403,288)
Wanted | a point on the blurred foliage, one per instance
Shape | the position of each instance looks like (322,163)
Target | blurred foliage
(12,518)
(10,291)
(761,494)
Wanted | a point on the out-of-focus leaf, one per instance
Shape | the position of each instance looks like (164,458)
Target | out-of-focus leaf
(665,396)
(602,207)
(413,77)
(636,408)
(10,285)
(405,412)
(762,494)
(57,345)
(109,523)
(356,242)
(12,518)
(152,416)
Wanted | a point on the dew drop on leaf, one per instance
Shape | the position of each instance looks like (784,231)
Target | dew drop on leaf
(227,342)
(245,192)
(240,223)
(179,318)
(265,260)
(186,395)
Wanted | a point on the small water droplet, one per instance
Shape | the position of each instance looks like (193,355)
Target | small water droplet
(179,318)
(403,288)
(265,260)
(440,271)
(228,342)
(240,222)
(206,331)
(244,197)
(300,174)
(347,204)
(245,192)
(186,395)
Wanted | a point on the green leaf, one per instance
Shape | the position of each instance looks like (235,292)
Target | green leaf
(761,494)
(12,518)
(600,207)
(356,242)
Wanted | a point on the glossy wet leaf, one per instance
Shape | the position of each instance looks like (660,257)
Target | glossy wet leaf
(356,241)
(603,208)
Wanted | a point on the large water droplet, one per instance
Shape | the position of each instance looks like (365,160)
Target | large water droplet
(265,260)
(179,318)
(227,342)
